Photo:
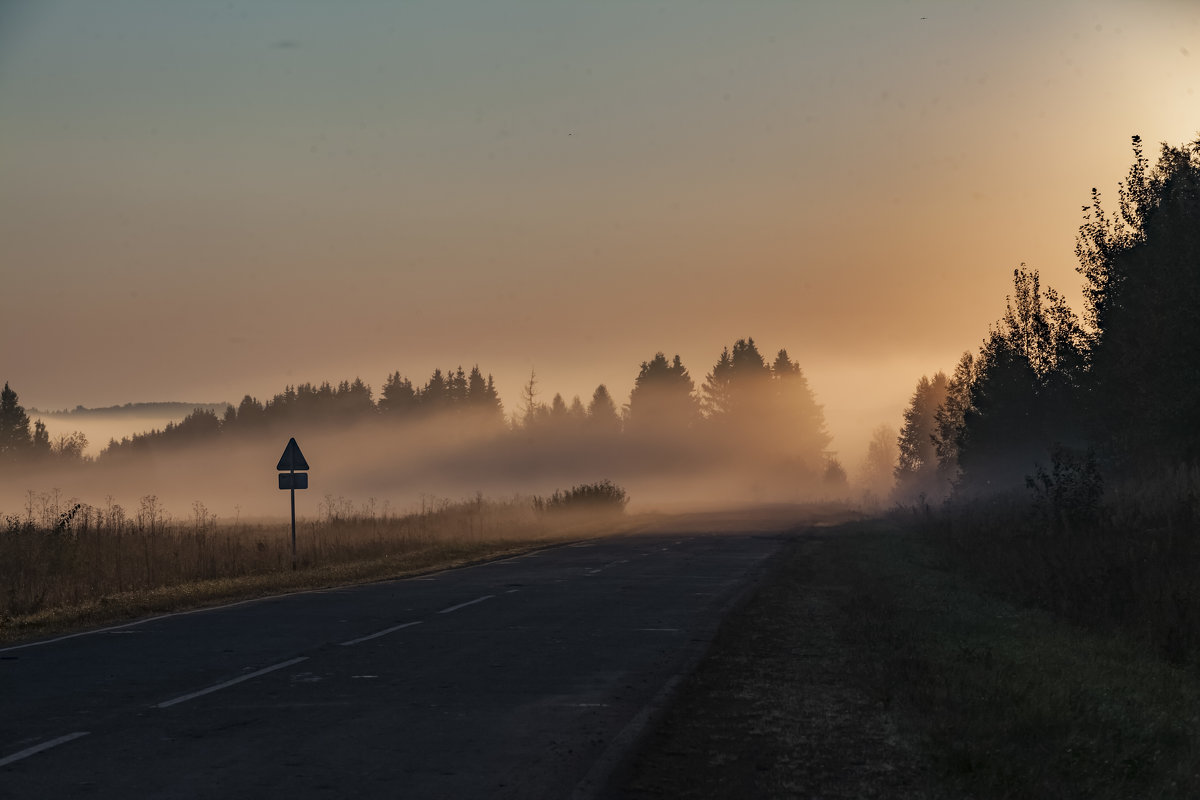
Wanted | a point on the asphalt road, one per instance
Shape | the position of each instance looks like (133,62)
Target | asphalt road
(517,678)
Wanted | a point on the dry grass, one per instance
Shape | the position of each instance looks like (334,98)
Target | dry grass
(65,565)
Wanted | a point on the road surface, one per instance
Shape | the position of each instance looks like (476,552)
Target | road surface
(517,678)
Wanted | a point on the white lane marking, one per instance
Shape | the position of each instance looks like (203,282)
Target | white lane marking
(594,570)
(37,748)
(512,591)
(112,628)
(377,634)
(193,695)
(659,630)
(468,603)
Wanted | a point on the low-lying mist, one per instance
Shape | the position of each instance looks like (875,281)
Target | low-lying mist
(379,465)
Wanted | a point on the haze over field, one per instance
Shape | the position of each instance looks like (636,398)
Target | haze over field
(203,201)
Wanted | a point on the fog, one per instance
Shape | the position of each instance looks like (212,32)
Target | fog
(377,466)
(102,425)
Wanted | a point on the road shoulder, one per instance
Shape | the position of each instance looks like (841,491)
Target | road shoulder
(863,668)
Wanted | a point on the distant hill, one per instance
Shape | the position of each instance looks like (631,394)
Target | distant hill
(132,410)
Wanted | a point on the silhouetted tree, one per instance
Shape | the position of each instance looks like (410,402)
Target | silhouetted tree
(353,400)
(482,396)
(879,465)
(558,408)
(435,397)
(491,400)
(250,413)
(602,411)
(1142,291)
(576,412)
(834,475)
(917,464)
(41,440)
(397,398)
(1023,400)
(457,389)
(798,419)
(767,413)
(531,410)
(662,399)
(71,446)
(15,438)
(949,419)
(737,383)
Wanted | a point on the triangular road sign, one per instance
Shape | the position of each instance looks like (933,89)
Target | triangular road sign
(292,458)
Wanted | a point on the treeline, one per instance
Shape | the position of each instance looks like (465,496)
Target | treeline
(29,443)
(1068,447)
(747,409)
(1054,401)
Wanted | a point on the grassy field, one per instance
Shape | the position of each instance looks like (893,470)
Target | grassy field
(65,566)
(864,667)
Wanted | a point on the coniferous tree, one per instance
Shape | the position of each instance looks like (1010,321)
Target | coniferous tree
(738,383)
(397,398)
(949,419)
(482,397)
(41,440)
(558,408)
(917,463)
(798,418)
(457,388)
(435,397)
(491,400)
(15,438)
(476,388)
(602,411)
(662,399)
(576,412)
(1025,392)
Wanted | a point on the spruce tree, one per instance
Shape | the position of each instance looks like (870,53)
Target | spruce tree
(15,438)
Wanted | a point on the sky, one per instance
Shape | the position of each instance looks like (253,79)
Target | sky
(200,200)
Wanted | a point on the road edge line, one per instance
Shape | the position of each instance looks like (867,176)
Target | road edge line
(602,780)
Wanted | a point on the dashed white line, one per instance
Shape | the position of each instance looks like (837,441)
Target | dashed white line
(383,632)
(193,695)
(468,603)
(37,748)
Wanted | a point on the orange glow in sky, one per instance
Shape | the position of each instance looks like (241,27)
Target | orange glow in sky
(199,201)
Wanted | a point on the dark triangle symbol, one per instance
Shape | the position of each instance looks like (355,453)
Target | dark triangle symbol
(292,458)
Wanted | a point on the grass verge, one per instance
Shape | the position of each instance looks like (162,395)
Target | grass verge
(863,668)
(131,605)
(97,566)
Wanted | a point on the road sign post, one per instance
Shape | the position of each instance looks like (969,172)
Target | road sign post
(292,460)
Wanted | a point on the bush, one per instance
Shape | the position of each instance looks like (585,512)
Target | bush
(604,496)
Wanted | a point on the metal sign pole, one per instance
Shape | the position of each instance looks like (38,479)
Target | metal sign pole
(292,460)
(293,494)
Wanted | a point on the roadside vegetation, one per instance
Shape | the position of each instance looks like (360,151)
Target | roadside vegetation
(1027,622)
(1059,464)
(66,564)
(866,666)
